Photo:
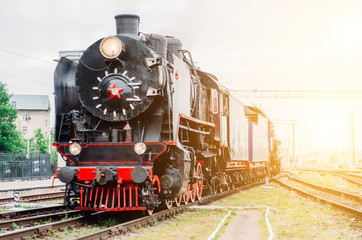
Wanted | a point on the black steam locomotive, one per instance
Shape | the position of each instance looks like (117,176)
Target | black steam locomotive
(140,126)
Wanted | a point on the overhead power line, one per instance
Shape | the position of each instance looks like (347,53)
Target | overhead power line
(22,55)
(296,94)
(284,121)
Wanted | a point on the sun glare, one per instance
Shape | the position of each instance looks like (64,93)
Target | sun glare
(333,130)
(349,33)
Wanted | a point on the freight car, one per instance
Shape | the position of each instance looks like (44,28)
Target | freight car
(140,126)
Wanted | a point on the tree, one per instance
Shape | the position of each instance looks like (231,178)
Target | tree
(39,144)
(53,153)
(10,139)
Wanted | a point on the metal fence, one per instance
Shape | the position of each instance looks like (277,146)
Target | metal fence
(17,166)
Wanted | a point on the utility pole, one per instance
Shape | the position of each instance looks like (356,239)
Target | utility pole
(337,155)
(27,134)
(294,143)
(353,145)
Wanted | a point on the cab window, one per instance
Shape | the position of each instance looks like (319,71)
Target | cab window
(214,101)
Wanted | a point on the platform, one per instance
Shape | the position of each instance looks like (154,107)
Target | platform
(28,184)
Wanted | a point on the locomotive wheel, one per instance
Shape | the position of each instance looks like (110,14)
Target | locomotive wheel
(186,195)
(148,212)
(168,203)
(241,179)
(156,185)
(249,177)
(200,182)
(253,177)
(178,200)
(193,192)
(232,182)
(213,187)
(236,179)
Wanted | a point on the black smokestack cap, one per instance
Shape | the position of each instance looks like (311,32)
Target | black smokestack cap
(127,24)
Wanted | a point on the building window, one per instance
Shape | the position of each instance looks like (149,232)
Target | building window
(26,116)
(25,130)
(13,103)
(46,123)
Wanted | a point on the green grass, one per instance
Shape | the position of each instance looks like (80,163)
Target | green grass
(15,226)
(109,222)
(71,233)
(26,207)
(189,225)
(66,217)
(49,220)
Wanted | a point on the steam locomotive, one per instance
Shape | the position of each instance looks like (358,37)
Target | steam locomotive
(140,126)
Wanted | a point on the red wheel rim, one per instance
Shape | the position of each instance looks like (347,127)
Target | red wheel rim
(199,183)
(186,195)
(178,200)
(168,203)
(149,212)
(156,180)
(193,192)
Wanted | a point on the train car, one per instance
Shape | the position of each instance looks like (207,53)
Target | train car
(139,126)
(258,141)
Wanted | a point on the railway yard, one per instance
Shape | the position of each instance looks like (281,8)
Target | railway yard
(146,121)
(281,207)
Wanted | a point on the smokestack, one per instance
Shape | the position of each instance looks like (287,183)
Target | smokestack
(127,24)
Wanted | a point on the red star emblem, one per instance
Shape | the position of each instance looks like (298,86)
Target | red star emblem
(115,91)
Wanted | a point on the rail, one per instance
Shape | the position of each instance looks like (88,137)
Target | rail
(40,230)
(342,207)
(328,190)
(35,197)
(31,212)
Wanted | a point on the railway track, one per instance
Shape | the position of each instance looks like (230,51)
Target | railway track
(35,197)
(41,230)
(31,212)
(34,220)
(327,170)
(349,178)
(354,178)
(328,190)
(316,196)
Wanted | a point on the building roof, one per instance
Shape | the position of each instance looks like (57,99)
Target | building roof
(30,102)
(254,110)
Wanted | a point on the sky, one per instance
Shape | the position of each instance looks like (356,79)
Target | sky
(259,44)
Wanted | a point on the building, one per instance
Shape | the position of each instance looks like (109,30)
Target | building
(33,113)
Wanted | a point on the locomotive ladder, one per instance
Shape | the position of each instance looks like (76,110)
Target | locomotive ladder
(166,128)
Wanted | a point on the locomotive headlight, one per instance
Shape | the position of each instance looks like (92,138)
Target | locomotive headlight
(111,47)
(75,148)
(140,148)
